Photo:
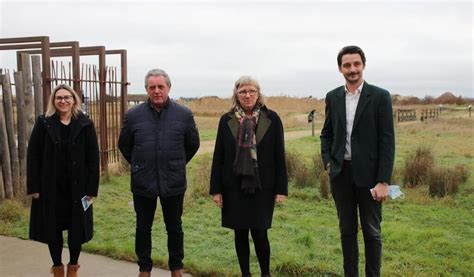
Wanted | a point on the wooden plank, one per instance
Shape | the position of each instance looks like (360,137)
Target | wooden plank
(10,125)
(28,92)
(21,123)
(5,156)
(37,84)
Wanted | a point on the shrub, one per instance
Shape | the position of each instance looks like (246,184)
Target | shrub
(303,176)
(292,162)
(11,211)
(318,165)
(462,173)
(443,181)
(297,171)
(321,175)
(417,166)
(324,185)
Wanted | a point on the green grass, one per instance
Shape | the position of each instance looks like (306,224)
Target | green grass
(422,236)
(207,134)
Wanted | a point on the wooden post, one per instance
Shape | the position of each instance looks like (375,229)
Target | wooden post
(5,156)
(10,125)
(28,92)
(2,188)
(37,84)
(312,128)
(21,123)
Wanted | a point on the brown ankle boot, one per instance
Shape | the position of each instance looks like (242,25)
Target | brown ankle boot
(144,274)
(177,273)
(72,270)
(58,271)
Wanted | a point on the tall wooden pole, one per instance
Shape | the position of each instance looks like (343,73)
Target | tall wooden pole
(37,84)
(5,156)
(9,123)
(22,133)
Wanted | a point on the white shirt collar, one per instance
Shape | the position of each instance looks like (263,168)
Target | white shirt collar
(358,90)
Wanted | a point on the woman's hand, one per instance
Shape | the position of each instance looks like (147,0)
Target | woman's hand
(35,195)
(279,198)
(217,199)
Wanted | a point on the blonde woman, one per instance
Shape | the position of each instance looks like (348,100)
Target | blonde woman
(62,173)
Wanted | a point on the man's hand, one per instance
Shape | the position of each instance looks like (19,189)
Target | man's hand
(380,192)
(35,195)
(279,198)
(328,168)
(218,199)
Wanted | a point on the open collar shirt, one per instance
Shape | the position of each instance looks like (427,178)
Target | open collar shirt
(352,99)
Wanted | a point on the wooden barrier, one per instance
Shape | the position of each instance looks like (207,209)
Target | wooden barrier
(429,113)
(406,115)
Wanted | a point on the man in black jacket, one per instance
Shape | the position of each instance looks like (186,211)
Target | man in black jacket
(358,148)
(158,138)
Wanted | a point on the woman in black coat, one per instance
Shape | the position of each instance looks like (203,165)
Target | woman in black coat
(249,171)
(62,173)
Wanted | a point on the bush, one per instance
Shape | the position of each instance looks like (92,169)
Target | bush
(462,173)
(321,175)
(11,211)
(292,162)
(417,166)
(443,181)
(324,185)
(446,181)
(297,171)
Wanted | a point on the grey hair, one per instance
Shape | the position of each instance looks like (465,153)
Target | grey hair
(157,72)
(245,81)
(76,107)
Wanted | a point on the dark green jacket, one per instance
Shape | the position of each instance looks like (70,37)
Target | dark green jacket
(372,141)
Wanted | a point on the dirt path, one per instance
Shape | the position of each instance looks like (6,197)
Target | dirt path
(208,145)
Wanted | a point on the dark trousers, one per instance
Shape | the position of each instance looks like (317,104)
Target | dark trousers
(348,198)
(262,249)
(56,248)
(172,208)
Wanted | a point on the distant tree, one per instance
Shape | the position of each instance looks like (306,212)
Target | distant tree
(428,100)
(460,101)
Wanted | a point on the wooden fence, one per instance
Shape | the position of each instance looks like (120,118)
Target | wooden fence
(429,113)
(21,101)
(402,115)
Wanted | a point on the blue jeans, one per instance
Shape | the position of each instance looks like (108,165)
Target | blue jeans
(349,200)
(172,210)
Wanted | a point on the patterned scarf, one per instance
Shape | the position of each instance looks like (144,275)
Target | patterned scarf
(245,163)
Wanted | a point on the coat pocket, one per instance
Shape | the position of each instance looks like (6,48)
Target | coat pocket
(177,173)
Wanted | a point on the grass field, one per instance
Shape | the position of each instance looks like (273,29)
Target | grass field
(422,236)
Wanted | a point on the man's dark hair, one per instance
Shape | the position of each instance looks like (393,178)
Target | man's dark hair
(351,49)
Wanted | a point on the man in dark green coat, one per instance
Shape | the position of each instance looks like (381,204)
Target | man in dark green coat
(358,148)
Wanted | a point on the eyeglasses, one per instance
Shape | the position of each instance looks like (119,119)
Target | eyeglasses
(66,98)
(244,92)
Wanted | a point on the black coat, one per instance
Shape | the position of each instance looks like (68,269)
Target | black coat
(241,211)
(372,141)
(158,148)
(42,165)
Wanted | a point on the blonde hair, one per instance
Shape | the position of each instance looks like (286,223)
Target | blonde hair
(76,106)
(246,81)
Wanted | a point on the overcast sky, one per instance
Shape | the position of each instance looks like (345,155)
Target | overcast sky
(419,49)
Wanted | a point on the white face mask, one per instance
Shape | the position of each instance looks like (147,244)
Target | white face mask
(395,192)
